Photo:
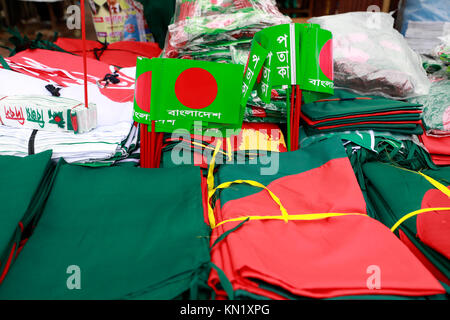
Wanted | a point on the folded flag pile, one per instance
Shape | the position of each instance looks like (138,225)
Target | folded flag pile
(23,189)
(90,238)
(416,205)
(436,108)
(436,120)
(438,147)
(205,30)
(349,111)
(275,111)
(306,234)
(115,136)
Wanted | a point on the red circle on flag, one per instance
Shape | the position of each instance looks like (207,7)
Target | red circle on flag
(433,227)
(196,88)
(326,59)
(143,91)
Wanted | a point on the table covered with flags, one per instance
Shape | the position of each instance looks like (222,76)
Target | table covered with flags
(291,189)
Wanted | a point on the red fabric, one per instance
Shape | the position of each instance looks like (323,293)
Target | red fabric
(66,69)
(433,228)
(438,147)
(122,53)
(318,259)
(441,160)
(422,258)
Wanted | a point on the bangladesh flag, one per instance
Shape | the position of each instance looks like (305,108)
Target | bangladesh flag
(177,92)
(395,192)
(115,233)
(309,236)
(292,54)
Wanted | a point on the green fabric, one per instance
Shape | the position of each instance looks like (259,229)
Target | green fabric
(436,106)
(402,117)
(21,190)
(326,109)
(22,43)
(366,146)
(411,129)
(134,233)
(4,64)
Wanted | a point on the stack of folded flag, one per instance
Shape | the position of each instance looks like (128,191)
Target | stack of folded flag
(273,112)
(395,192)
(306,234)
(205,30)
(438,147)
(436,120)
(349,111)
(115,136)
(23,189)
(90,238)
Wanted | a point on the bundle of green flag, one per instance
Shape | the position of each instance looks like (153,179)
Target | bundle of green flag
(92,244)
(436,108)
(296,57)
(348,111)
(303,232)
(275,111)
(205,29)
(23,189)
(416,206)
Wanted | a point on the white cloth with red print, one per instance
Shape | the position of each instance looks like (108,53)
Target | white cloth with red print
(34,69)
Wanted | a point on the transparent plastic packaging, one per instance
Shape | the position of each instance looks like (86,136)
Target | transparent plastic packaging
(205,23)
(372,58)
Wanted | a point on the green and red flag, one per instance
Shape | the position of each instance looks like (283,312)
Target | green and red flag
(271,243)
(181,92)
(298,57)
(297,54)
(416,205)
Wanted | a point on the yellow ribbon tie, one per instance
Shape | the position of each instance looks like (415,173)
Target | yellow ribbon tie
(210,183)
(414,213)
(295,217)
(284,214)
(437,185)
